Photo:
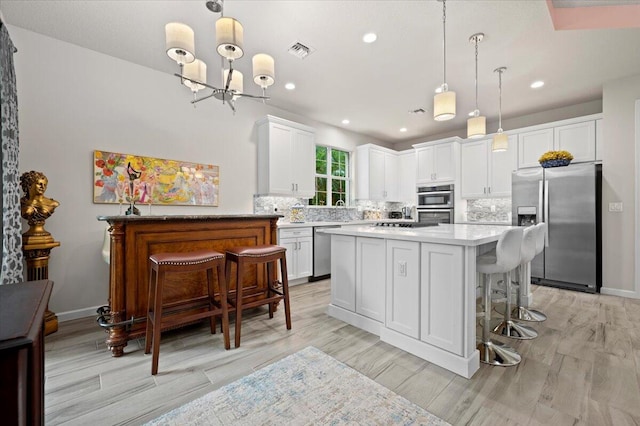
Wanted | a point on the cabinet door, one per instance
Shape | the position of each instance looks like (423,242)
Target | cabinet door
(376,175)
(280,160)
(579,139)
(425,164)
(442,297)
(407,178)
(370,276)
(531,145)
(290,244)
(403,287)
(474,169)
(304,257)
(303,163)
(501,165)
(444,166)
(343,271)
(391,177)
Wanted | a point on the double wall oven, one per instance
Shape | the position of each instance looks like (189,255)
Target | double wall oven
(435,204)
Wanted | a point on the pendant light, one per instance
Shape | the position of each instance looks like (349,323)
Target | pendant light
(500,140)
(444,103)
(476,125)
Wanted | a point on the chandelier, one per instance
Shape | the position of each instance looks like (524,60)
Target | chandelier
(229,45)
(500,140)
(444,102)
(477,124)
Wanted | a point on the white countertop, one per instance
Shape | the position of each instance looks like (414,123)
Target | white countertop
(455,234)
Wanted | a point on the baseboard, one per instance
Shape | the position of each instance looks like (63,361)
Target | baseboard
(78,313)
(356,320)
(621,293)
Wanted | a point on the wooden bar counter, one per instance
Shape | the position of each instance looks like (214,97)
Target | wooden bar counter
(135,238)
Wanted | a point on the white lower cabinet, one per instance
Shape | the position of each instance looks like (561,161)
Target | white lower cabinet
(370,276)
(343,272)
(442,298)
(403,287)
(299,245)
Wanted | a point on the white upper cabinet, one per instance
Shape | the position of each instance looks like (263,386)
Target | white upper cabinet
(407,176)
(376,173)
(437,161)
(599,143)
(579,139)
(578,136)
(531,145)
(286,158)
(487,174)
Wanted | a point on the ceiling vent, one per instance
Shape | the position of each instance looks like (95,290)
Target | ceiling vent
(300,50)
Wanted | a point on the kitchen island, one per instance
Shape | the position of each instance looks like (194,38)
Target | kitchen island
(413,287)
(135,238)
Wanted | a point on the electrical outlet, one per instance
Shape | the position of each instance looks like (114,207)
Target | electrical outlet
(615,207)
(402,268)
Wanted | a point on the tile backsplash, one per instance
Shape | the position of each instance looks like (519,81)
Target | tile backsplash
(282,205)
(489,210)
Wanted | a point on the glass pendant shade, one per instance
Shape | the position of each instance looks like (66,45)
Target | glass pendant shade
(500,142)
(476,127)
(444,106)
(180,42)
(196,70)
(263,70)
(236,84)
(229,38)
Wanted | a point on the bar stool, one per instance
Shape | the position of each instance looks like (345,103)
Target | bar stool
(259,255)
(504,260)
(508,327)
(182,313)
(533,248)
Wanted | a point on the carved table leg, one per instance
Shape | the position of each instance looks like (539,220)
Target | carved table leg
(117,339)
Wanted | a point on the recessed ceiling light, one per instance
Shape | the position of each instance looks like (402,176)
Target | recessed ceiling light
(404,129)
(289,86)
(345,121)
(537,84)
(369,37)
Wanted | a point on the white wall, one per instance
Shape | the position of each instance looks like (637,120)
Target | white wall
(72,101)
(618,185)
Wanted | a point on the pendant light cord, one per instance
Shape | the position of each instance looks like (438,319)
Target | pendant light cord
(476,41)
(500,101)
(444,43)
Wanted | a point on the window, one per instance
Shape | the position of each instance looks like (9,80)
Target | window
(332,176)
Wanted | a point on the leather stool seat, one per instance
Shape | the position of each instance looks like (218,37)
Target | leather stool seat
(268,255)
(161,315)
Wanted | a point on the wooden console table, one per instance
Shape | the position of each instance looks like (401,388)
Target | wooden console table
(135,238)
(22,308)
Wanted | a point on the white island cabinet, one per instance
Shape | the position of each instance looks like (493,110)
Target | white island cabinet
(429,287)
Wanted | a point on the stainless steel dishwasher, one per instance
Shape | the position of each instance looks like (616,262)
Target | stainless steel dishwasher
(321,253)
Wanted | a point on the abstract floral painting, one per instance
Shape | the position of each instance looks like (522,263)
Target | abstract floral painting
(165,182)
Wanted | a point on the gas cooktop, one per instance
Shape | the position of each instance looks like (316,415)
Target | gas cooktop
(405,224)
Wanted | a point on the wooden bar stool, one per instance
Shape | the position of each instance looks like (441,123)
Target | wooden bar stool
(258,255)
(183,313)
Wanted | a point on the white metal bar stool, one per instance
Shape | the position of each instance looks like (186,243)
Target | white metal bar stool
(508,327)
(520,312)
(505,259)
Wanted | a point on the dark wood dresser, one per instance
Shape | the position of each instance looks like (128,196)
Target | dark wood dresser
(22,308)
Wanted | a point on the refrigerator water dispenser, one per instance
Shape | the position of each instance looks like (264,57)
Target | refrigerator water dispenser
(527,215)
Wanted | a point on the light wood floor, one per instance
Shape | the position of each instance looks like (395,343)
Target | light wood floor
(583,368)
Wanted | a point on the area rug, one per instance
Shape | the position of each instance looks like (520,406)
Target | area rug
(306,388)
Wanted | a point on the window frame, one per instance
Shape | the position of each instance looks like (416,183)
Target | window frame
(330,177)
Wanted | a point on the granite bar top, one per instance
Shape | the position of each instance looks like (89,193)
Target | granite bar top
(134,218)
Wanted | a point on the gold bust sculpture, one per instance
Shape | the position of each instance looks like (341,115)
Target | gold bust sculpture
(34,206)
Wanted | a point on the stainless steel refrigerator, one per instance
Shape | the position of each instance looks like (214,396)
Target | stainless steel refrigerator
(568,199)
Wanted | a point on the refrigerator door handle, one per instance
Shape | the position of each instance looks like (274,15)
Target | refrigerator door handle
(541,218)
(546,212)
